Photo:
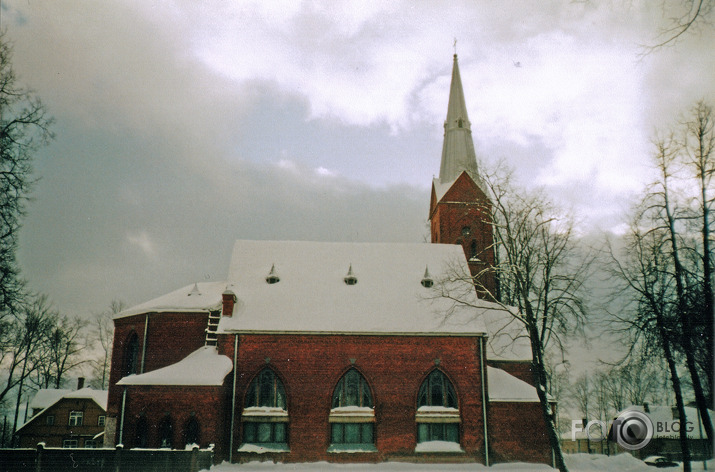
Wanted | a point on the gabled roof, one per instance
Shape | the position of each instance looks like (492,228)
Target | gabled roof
(313,296)
(50,397)
(205,366)
(197,297)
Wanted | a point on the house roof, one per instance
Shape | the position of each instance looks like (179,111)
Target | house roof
(313,296)
(48,397)
(205,366)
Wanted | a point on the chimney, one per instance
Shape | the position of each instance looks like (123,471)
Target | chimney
(229,298)
(80,383)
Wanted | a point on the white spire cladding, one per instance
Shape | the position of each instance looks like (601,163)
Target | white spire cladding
(458,148)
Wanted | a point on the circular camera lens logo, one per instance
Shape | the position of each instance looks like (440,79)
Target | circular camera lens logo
(633,430)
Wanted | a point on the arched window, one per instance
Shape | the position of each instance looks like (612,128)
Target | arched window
(131,355)
(191,431)
(473,250)
(166,432)
(352,416)
(437,410)
(265,414)
(140,432)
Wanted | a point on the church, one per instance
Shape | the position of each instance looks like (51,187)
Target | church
(340,352)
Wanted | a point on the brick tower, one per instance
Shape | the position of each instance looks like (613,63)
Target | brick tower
(460,210)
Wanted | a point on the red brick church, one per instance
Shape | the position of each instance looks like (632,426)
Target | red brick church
(342,352)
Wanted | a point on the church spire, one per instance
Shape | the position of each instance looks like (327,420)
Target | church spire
(458,148)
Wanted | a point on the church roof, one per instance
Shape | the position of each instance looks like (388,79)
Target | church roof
(197,297)
(458,148)
(360,288)
(205,366)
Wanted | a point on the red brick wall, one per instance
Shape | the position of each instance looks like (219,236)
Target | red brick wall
(517,432)
(209,405)
(394,366)
(465,204)
(170,338)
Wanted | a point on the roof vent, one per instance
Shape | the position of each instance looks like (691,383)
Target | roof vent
(350,279)
(427,281)
(272,276)
(194,291)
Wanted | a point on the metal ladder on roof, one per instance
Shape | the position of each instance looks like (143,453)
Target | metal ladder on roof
(211,327)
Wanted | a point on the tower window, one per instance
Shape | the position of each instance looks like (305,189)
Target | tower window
(466,231)
(460,123)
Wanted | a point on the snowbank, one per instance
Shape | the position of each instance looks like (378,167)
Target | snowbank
(575,463)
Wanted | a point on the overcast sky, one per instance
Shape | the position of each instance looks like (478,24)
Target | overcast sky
(182,126)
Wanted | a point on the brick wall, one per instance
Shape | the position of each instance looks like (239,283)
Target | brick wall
(517,432)
(170,338)
(394,366)
(209,405)
(466,205)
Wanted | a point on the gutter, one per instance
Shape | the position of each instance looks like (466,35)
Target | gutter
(233,399)
(484,402)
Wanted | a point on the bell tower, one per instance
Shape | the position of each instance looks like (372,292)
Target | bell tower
(460,210)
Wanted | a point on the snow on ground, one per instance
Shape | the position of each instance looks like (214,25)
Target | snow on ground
(575,462)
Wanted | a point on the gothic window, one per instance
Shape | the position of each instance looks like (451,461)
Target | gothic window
(166,432)
(191,431)
(140,432)
(473,250)
(265,415)
(437,410)
(131,355)
(352,416)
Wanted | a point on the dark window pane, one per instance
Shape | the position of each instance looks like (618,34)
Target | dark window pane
(337,433)
(249,432)
(280,432)
(422,432)
(367,433)
(352,433)
(452,432)
(264,432)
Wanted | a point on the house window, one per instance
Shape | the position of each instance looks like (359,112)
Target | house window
(131,355)
(76,418)
(473,250)
(437,410)
(166,432)
(352,416)
(265,414)
(90,443)
(101,420)
(69,443)
(50,420)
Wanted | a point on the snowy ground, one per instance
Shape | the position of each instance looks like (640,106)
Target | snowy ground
(575,462)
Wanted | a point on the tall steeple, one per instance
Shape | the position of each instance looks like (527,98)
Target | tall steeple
(460,210)
(458,148)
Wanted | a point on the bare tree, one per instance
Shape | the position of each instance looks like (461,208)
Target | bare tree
(62,350)
(649,324)
(684,16)
(24,126)
(540,278)
(103,334)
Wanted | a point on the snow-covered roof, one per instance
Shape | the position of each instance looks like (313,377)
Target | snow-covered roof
(205,366)
(504,387)
(99,396)
(663,420)
(46,397)
(313,296)
(440,188)
(197,297)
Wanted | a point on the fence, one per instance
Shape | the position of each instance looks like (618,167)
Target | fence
(48,459)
